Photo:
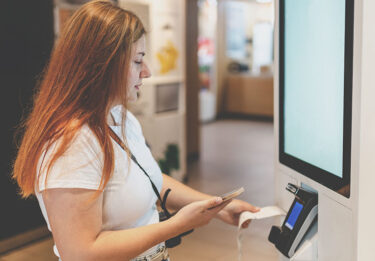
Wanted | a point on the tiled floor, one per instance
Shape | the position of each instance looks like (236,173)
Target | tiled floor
(234,153)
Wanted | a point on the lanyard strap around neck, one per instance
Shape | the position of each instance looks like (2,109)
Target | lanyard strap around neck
(122,145)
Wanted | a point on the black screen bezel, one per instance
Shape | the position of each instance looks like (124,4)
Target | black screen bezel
(327,179)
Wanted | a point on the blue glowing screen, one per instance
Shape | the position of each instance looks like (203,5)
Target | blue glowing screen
(297,208)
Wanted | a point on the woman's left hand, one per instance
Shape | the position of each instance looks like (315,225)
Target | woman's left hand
(231,213)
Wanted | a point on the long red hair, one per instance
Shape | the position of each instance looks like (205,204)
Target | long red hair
(86,74)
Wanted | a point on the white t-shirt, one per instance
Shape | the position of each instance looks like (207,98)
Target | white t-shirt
(128,198)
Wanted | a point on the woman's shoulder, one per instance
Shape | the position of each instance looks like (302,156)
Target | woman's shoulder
(79,166)
(84,139)
(81,147)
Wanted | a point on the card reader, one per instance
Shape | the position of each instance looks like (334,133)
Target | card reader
(301,215)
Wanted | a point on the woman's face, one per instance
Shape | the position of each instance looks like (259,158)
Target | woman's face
(137,69)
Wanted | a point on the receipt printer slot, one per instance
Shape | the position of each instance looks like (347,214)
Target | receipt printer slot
(301,215)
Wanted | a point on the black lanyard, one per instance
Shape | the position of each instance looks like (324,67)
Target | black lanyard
(122,145)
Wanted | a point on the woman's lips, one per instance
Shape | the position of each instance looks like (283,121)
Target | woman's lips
(137,86)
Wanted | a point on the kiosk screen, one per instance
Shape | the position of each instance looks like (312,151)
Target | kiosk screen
(316,46)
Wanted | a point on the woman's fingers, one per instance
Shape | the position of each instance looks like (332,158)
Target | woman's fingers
(212,203)
(199,213)
(246,224)
(253,208)
(220,206)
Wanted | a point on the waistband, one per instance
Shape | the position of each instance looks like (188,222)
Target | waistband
(161,254)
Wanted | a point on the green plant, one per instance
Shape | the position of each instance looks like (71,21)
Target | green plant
(171,159)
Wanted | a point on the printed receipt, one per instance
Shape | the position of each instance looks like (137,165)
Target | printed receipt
(266,212)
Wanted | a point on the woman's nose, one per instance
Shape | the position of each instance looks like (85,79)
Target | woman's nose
(145,73)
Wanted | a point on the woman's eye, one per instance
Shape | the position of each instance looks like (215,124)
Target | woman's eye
(138,62)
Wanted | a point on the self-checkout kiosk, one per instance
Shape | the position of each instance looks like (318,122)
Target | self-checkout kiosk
(325,129)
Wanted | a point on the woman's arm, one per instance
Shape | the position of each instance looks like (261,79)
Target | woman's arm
(76,223)
(182,195)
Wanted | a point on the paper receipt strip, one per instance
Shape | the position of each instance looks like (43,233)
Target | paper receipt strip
(266,212)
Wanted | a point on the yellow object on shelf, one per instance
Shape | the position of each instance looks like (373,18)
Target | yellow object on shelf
(167,57)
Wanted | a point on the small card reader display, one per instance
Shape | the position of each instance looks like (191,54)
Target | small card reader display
(300,217)
(296,210)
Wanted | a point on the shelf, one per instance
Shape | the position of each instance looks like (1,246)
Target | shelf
(164,79)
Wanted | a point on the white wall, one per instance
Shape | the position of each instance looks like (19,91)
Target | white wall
(366,211)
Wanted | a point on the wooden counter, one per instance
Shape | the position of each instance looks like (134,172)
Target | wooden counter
(249,94)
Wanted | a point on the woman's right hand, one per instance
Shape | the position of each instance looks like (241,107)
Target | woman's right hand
(198,213)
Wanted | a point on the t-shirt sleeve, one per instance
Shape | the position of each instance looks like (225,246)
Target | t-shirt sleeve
(79,167)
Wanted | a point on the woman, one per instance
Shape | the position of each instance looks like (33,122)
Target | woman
(82,153)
